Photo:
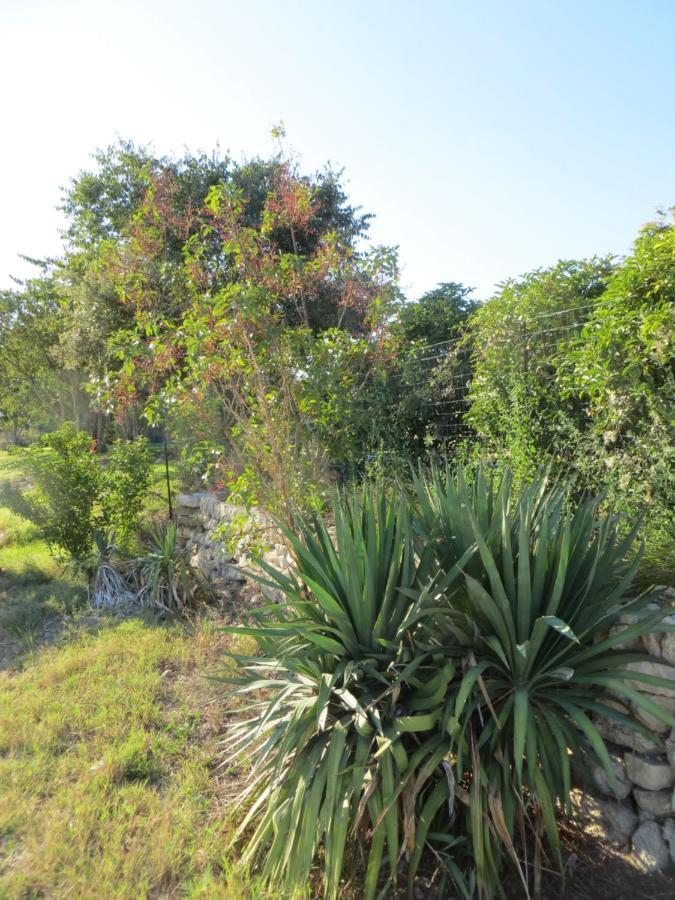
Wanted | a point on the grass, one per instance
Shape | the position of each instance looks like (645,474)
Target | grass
(107,754)
(110,772)
(34,588)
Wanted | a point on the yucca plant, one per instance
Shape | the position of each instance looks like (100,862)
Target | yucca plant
(547,584)
(164,577)
(109,587)
(342,726)
(443,526)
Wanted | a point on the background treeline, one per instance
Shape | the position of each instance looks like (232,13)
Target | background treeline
(238,308)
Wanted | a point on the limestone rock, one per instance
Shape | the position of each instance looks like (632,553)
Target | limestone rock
(624,737)
(601,780)
(669,836)
(274,595)
(186,520)
(668,647)
(657,803)
(232,573)
(202,561)
(190,501)
(621,821)
(670,748)
(649,848)
(654,773)
(634,644)
(632,618)
(652,643)
(618,705)
(222,554)
(661,670)
(654,724)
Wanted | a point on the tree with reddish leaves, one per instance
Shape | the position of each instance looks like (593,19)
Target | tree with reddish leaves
(239,324)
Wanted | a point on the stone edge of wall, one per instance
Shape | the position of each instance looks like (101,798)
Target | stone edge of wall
(642,817)
(201,519)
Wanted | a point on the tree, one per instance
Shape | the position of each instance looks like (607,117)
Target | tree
(30,325)
(624,361)
(256,304)
(132,220)
(518,342)
(622,368)
(436,315)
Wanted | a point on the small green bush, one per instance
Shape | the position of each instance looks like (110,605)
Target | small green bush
(67,476)
(124,483)
(79,493)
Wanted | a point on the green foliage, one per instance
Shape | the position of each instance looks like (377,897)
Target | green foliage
(67,476)
(77,493)
(345,734)
(434,661)
(573,366)
(623,367)
(271,332)
(164,576)
(236,304)
(33,389)
(436,316)
(123,486)
(518,407)
(547,584)
(413,401)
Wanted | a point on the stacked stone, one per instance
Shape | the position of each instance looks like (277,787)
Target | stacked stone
(201,519)
(642,815)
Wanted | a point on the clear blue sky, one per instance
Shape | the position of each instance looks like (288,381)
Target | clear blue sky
(488,137)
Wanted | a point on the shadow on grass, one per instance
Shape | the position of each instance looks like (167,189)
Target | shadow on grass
(13,496)
(45,613)
(33,605)
(30,578)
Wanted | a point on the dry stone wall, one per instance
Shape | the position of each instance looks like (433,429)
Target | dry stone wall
(218,535)
(640,818)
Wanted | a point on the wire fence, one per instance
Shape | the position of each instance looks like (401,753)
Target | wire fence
(438,378)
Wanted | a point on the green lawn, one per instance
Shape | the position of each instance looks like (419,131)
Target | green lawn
(108,755)
(110,776)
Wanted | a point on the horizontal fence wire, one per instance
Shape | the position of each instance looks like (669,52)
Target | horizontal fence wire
(436,379)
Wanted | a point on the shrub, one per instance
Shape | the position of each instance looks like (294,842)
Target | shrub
(547,584)
(124,483)
(345,738)
(435,662)
(79,493)
(161,577)
(109,587)
(164,576)
(67,476)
